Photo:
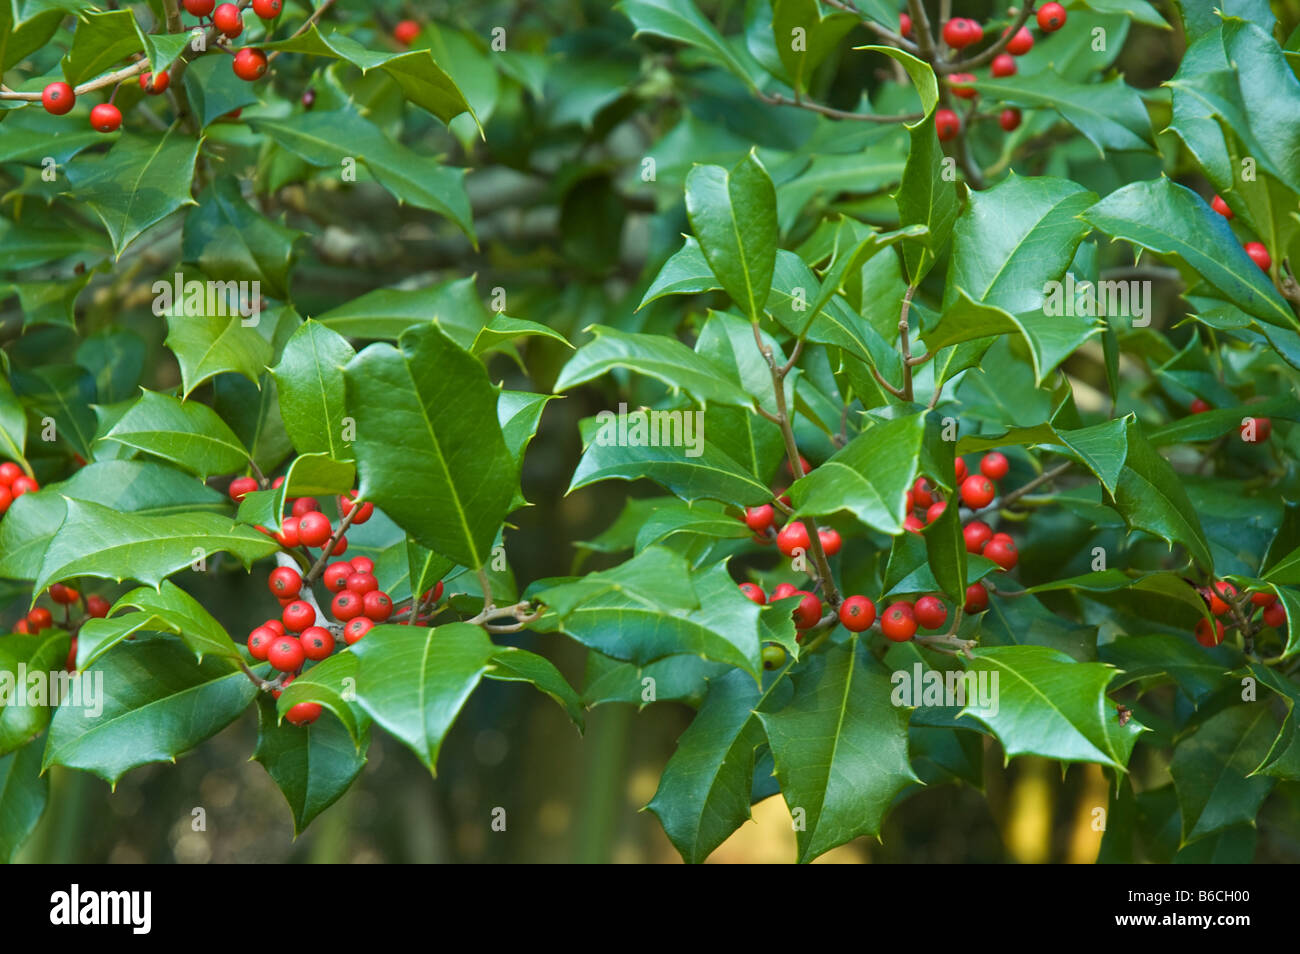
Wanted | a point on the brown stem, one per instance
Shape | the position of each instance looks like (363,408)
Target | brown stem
(907,348)
(777,99)
(1034,484)
(894,39)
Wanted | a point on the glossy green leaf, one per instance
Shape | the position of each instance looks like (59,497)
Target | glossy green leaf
(309,378)
(185,432)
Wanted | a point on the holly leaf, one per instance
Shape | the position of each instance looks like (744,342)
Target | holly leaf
(309,377)
(24,792)
(187,433)
(205,347)
(1212,770)
(510,664)
(227,237)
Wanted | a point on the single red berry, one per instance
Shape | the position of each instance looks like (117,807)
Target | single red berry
(830,540)
(289,533)
(284,581)
(784,497)
(783,590)
(276,625)
(304,505)
(1263,598)
(436,591)
(241,487)
(6,497)
(803,465)
(946,124)
(341,547)
(994,466)
(268,9)
(314,529)
(1259,255)
(25,484)
(96,606)
(921,493)
(227,19)
(105,118)
(58,98)
(260,640)
(793,537)
(977,533)
(1219,594)
(356,628)
(808,612)
(64,595)
(1254,430)
(377,604)
(40,618)
(857,613)
(754,592)
(1004,64)
(931,612)
(935,511)
(1021,43)
(22,627)
(249,64)
(317,643)
(759,519)
(960,83)
(1218,205)
(1001,549)
(363,564)
(959,469)
(1009,119)
(1275,615)
(977,598)
(1051,17)
(155,84)
(977,491)
(285,653)
(199,8)
(304,713)
(277,483)
(336,576)
(976,31)
(959,32)
(1199,406)
(913,523)
(70,664)
(346,504)
(898,622)
(406,32)
(9,472)
(346,605)
(1209,636)
(298,615)
(904,25)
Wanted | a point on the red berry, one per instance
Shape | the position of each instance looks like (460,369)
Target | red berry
(898,622)
(199,8)
(298,615)
(1219,594)
(289,535)
(1263,598)
(1259,255)
(830,540)
(249,64)
(1218,205)
(260,640)
(759,519)
(341,547)
(1009,119)
(921,493)
(6,497)
(406,32)
(23,484)
(1051,17)
(377,604)
(64,595)
(803,465)
(1207,636)
(40,618)
(1001,549)
(1254,430)
(304,505)
(960,32)
(946,124)
(931,612)
(363,564)
(314,529)
(977,533)
(58,98)
(857,613)
(959,469)
(284,581)
(9,472)
(96,606)
(70,664)
(913,523)
(1199,406)
(1004,64)
(317,643)
(285,654)
(977,598)
(783,590)
(22,627)
(1275,615)
(276,625)
(436,593)
(346,504)
(227,19)
(960,83)
(1021,43)
(105,118)
(153,84)
(977,491)
(754,592)
(356,628)
(904,25)
(793,537)
(277,483)
(336,576)
(809,610)
(346,605)
(935,511)
(994,466)
(268,9)
(304,713)
(241,487)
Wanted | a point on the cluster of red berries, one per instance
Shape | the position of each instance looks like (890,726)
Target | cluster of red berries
(40,618)
(305,525)
(977,491)
(1220,597)
(13,484)
(1253,430)
(961,32)
(1257,251)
